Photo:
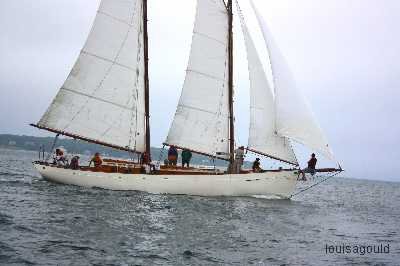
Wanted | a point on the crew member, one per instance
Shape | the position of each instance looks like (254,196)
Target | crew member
(186,157)
(97,161)
(172,155)
(59,158)
(74,163)
(256,166)
(145,158)
(311,164)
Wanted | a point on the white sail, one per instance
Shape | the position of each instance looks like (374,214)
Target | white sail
(103,96)
(262,133)
(201,119)
(294,118)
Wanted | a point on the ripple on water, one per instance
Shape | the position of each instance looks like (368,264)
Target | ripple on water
(5,219)
(77,226)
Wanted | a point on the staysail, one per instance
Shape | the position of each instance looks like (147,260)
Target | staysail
(294,118)
(201,121)
(263,137)
(102,99)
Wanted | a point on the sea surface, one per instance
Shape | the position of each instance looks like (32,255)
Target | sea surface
(48,224)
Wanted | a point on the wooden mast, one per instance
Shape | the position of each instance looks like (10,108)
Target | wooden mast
(231,114)
(146,78)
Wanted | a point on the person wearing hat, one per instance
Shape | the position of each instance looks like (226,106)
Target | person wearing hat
(256,166)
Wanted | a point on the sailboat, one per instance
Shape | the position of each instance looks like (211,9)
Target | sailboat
(105,100)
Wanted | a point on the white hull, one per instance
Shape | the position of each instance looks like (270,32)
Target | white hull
(280,184)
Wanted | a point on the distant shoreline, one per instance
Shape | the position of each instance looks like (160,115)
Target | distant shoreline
(31,143)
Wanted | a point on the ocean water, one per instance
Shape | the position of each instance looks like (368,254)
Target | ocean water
(47,224)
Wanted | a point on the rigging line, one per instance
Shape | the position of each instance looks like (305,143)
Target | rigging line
(161,156)
(316,184)
(52,147)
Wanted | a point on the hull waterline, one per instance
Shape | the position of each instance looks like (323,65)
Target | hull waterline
(281,184)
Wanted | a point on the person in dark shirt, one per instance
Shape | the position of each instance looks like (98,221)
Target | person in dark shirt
(74,163)
(145,158)
(256,166)
(172,156)
(186,157)
(311,164)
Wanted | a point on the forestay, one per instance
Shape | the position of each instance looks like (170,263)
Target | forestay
(294,118)
(103,97)
(201,119)
(262,134)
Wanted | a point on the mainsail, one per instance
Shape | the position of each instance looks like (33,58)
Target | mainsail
(263,137)
(201,121)
(294,118)
(103,98)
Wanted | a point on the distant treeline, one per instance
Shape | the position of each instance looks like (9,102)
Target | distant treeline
(81,147)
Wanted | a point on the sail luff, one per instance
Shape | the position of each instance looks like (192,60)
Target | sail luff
(103,97)
(231,64)
(146,79)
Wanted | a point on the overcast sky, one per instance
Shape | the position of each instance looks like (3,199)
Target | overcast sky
(344,54)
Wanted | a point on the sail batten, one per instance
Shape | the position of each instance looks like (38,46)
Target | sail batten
(108,60)
(262,131)
(103,98)
(201,121)
(205,74)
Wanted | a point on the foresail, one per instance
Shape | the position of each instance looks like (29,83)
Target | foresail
(103,96)
(294,118)
(262,133)
(201,119)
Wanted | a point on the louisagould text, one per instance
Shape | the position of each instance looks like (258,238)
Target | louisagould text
(357,249)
